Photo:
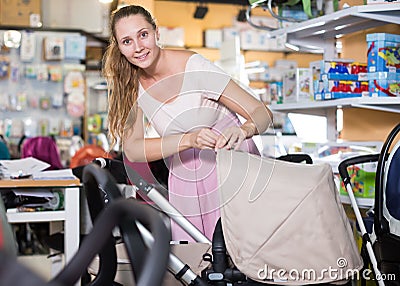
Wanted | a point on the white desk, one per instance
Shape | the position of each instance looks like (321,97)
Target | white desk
(70,214)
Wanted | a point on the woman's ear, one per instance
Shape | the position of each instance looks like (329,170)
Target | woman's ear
(157,36)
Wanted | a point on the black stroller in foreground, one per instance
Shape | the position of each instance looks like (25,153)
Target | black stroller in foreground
(100,241)
(380,246)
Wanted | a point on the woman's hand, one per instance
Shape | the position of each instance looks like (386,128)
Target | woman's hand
(232,137)
(204,138)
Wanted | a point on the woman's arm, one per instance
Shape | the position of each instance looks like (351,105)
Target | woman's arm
(140,149)
(258,116)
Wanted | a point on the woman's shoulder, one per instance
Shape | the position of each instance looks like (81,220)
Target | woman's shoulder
(180,55)
(181,58)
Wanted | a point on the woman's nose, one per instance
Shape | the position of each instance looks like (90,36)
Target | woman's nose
(138,46)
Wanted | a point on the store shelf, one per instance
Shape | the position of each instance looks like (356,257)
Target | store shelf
(314,33)
(39,216)
(387,104)
(361,202)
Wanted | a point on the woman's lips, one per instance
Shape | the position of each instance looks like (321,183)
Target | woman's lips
(142,57)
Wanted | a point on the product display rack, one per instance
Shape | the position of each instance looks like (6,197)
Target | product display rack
(318,34)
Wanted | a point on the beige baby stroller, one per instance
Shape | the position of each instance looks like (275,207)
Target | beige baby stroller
(281,223)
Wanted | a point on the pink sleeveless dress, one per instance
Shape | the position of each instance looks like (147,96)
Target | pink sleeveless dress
(193,184)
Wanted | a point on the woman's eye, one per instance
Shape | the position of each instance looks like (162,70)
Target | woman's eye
(143,34)
(126,42)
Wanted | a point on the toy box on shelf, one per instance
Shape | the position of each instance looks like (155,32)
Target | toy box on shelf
(296,85)
(384,84)
(362,178)
(340,78)
(383,52)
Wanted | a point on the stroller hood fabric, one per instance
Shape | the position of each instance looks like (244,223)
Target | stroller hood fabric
(283,222)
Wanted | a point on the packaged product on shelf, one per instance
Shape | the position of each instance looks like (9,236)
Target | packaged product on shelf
(75,47)
(172,36)
(53,48)
(303,84)
(28,45)
(362,178)
(252,39)
(213,38)
(384,84)
(275,89)
(383,52)
(338,78)
(289,86)
(296,85)
(229,33)
(4,65)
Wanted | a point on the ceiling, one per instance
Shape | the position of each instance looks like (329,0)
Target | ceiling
(230,2)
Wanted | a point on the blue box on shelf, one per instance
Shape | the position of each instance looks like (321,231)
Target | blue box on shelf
(383,52)
(339,76)
(383,84)
(337,95)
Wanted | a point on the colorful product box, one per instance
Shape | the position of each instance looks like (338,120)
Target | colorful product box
(383,52)
(362,178)
(334,86)
(296,85)
(303,84)
(383,84)
(275,91)
(322,70)
(289,86)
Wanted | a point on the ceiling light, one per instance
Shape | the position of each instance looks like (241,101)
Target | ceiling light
(292,47)
(105,1)
(200,12)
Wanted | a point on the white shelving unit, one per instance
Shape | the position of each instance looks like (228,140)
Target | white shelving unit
(318,34)
(361,202)
(388,104)
(69,216)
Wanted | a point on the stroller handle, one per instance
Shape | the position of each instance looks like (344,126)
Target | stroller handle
(344,174)
(100,180)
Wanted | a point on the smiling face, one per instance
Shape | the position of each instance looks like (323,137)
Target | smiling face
(137,40)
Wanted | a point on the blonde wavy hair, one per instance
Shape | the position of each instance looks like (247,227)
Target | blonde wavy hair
(122,78)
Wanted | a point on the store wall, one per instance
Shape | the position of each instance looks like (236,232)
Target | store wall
(73,14)
(180,14)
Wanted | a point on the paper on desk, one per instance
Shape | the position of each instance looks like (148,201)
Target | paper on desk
(44,193)
(25,166)
(64,174)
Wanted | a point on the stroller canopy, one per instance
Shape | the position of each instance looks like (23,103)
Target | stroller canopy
(284,222)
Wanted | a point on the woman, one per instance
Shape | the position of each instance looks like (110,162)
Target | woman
(190,102)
